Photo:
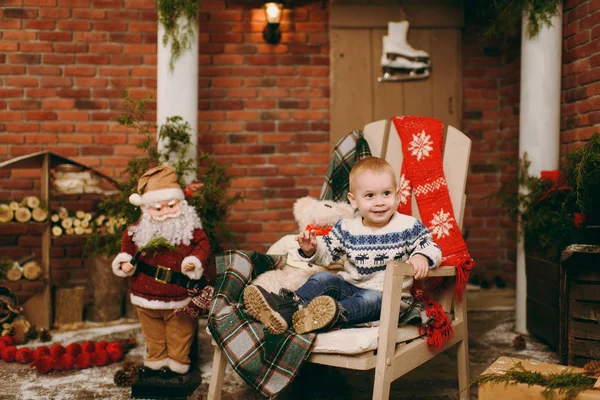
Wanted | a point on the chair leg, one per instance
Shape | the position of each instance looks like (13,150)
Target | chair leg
(463,351)
(381,387)
(218,374)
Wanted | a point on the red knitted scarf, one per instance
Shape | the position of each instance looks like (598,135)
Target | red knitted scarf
(422,139)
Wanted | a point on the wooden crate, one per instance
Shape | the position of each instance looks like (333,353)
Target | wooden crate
(543,307)
(580,305)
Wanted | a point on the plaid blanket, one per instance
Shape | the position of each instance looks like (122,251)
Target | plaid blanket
(347,151)
(266,362)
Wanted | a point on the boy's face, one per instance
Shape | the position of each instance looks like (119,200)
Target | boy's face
(375,196)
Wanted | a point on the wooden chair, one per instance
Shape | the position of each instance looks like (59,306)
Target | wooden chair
(391,350)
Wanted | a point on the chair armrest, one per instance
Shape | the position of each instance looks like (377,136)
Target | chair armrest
(444,270)
(401,268)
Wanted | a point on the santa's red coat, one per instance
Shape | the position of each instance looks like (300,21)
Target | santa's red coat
(145,286)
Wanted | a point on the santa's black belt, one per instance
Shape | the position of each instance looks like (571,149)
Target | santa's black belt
(167,275)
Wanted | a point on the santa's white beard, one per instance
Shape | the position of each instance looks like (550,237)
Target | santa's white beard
(177,230)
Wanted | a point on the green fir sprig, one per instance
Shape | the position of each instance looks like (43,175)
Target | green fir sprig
(211,201)
(157,244)
(180,36)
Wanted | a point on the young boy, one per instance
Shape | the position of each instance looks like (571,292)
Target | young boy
(380,234)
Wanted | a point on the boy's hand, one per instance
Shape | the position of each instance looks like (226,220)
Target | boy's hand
(420,264)
(127,267)
(308,242)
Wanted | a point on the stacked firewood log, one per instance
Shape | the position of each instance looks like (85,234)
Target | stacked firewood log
(27,210)
(68,223)
(26,268)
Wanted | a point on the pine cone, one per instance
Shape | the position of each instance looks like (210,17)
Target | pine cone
(131,367)
(592,368)
(45,335)
(32,333)
(125,378)
(519,342)
(127,344)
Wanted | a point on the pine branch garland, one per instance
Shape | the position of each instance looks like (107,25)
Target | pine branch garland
(569,384)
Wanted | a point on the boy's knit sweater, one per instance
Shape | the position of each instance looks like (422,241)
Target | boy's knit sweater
(368,250)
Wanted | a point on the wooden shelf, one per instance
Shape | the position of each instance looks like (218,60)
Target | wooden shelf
(38,308)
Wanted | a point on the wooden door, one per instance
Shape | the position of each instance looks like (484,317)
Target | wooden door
(356,46)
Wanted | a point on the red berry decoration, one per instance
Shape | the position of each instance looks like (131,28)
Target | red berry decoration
(115,353)
(84,360)
(57,351)
(40,351)
(88,347)
(100,358)
(101,345)
(24,355)
(9,353)
(65,362)
(74,349)
(44,365)
(2,346)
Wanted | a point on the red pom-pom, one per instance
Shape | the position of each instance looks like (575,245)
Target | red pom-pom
(74,349)
(9,353)
(44,365)
(101,345)
(100,358)
(57,351)
(40,351)
(88,347)
(9,340)
(2,347)
(24,355)
(114,345)
(65,362)
(115,353)
(84,360)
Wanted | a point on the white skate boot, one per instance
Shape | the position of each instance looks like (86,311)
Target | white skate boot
(399,60)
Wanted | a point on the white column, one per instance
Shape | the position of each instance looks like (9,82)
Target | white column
(539,122)
(177,90)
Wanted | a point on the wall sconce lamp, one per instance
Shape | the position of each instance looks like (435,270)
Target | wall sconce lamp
(273,12)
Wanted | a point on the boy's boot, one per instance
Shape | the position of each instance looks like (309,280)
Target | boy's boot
(275,311)
(322,312)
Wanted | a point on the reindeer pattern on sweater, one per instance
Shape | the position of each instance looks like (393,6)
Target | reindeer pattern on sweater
(368,250)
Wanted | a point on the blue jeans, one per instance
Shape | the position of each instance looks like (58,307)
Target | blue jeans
(360,305)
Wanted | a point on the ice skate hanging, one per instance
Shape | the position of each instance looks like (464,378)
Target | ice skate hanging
(399,60)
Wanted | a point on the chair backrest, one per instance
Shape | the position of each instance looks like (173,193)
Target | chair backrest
(384,142)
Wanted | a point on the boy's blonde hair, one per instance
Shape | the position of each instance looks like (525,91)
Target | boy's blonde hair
(372,164)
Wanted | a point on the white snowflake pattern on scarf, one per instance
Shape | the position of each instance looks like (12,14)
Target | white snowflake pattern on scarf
(404,189)
(440,225)
(421,145)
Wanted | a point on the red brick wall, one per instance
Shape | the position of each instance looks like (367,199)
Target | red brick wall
(491,120)
(580,110)
(262,109)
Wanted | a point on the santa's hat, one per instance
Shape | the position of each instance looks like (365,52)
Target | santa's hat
(157,184)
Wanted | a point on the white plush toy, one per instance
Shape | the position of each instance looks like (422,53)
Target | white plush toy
(313,214)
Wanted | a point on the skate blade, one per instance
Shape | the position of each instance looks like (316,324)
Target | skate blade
(316,315)
(259,309)
(403,77)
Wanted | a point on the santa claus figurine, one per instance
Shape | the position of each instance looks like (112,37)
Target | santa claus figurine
(165,254)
